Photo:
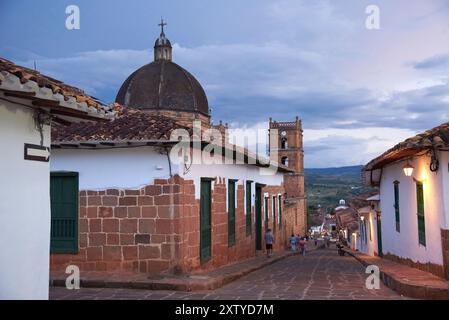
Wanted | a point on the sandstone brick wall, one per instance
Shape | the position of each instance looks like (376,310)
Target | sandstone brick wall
(157,227)
(128,229)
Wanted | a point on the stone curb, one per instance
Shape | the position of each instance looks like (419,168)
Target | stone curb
(173,283)
(404,287)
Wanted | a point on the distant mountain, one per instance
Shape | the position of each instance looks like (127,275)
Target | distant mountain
(335,171)
(326,186)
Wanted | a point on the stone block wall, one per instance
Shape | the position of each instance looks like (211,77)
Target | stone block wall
(124,229)
(157,228)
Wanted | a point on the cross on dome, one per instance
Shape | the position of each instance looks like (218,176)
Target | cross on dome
(162,24)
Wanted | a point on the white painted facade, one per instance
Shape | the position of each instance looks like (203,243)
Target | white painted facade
(436,209)
(112,168)
(138,166)
(367,239)
(24,208)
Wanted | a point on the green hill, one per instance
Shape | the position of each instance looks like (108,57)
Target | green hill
(326,186)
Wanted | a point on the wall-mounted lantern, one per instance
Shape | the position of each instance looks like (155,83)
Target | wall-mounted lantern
(408,169)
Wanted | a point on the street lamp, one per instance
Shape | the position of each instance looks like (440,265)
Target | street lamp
(408,169)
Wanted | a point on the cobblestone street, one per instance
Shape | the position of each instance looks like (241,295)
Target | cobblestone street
(322,274)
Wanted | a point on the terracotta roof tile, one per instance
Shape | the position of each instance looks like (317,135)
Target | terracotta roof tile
(130,125)
(437,137)
(25,74)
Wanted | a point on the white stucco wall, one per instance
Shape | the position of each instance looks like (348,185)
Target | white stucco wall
(24,208)
(228,171)
(444,175)
(370,247)
(112,168)
(405,243)
(135,167)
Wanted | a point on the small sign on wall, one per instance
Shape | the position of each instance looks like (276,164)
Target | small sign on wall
(36,152)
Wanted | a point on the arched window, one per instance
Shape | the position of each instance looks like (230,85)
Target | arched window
(284,161)
(284,143)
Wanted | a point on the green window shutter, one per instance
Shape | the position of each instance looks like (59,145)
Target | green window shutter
(280,211)
(64,212)
(420,209)
(266,213)
(274,214)
(231,213)
(396,206)
(248,207)
(205,221)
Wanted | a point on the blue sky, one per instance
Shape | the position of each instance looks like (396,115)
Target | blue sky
(358,91)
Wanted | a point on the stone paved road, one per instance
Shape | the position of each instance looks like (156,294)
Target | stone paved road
(322,274)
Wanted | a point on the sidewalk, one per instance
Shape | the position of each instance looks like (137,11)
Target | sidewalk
(164,281)
(405,280)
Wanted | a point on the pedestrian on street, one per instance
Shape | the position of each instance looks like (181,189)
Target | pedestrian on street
(269,240)
(292,242)
(302,246)
(327,239)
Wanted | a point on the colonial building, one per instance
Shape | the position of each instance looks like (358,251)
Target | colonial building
(369,220)
(146,205)
(30,103)
(413,220)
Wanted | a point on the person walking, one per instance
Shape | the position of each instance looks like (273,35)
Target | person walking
(292,242)
(327,239)
(269,240)
(302,246)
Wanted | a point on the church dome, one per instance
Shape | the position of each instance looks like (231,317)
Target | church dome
(163,85)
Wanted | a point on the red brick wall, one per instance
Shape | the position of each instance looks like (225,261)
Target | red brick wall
(128,229)
(156,228)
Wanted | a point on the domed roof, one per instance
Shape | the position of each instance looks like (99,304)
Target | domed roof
(163,85)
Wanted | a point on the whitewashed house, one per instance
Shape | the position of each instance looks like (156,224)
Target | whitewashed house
(367,234)
(29,103)
(413,178)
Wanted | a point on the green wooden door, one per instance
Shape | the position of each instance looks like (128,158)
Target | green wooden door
(64,212)
(266,213)
(205,221)
(379,235)
(280,211)
(396,206)
(420,207)
(258,204)
(248,208)
(274,213)
(231,213)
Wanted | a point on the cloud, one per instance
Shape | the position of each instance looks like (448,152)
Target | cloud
(439,61)
(358,92)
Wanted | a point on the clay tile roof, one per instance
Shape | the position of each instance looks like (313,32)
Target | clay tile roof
(129,125)
(57,87)
(437,137)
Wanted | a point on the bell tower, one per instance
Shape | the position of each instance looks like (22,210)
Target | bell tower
(289,144)
(290,153)
(162,46)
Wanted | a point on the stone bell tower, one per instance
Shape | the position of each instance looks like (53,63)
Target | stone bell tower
(290,153)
